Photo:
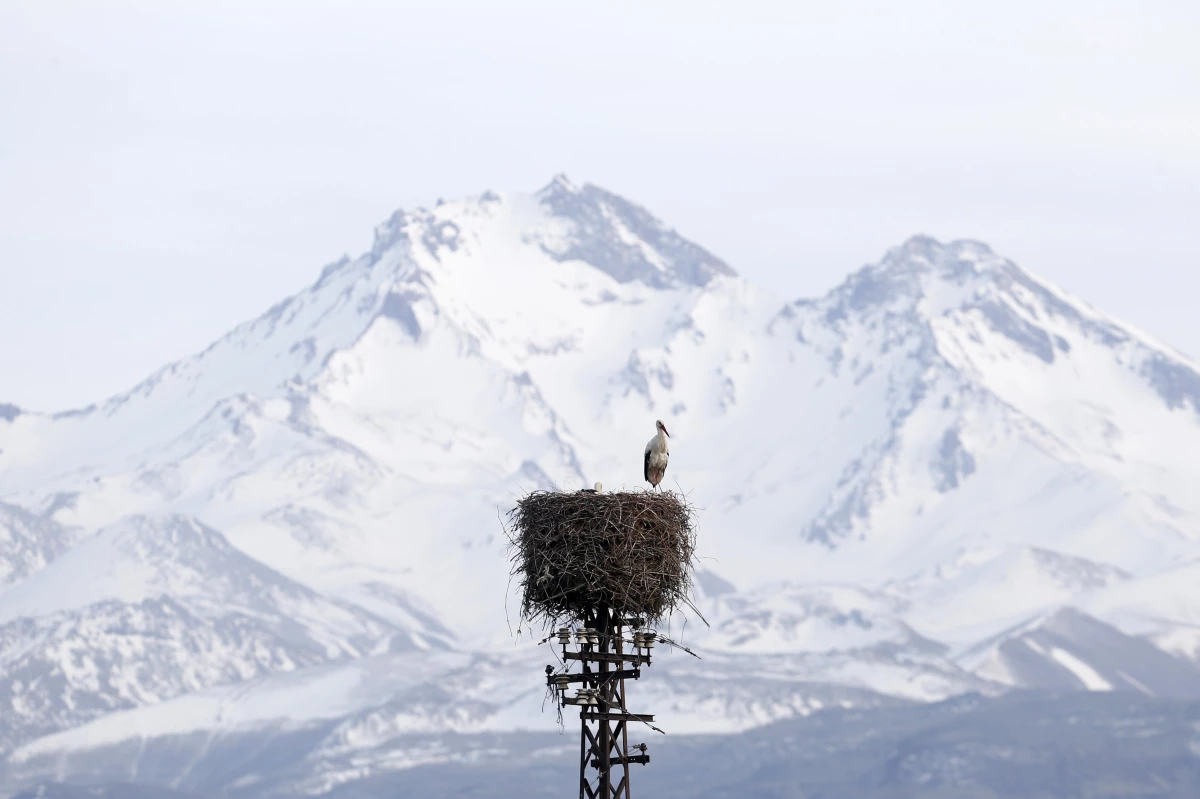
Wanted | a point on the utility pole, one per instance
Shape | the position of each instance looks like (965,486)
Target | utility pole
(612,566)
(607,658)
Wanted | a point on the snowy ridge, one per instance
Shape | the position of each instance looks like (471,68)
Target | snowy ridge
(28,542)
(909,486)
(1070,650)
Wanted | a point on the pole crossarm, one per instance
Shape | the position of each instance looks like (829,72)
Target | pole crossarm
(606,657)
(616,716)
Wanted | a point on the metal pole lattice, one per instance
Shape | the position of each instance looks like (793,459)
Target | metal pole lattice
(606,661)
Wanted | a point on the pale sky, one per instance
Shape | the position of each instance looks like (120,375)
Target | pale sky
(169,169)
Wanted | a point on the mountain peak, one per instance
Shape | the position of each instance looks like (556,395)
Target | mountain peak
(923,283)
(572,222)
(955,260)
(926,278)
(623,239)
(922,245)
(559,184)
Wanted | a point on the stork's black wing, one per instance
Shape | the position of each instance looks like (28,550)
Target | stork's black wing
(646,466)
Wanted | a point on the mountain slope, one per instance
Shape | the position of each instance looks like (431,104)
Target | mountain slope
(1070,650)
(149,609)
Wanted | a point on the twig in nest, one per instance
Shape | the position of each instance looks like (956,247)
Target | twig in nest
(669,642)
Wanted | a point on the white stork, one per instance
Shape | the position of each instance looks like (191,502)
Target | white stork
(657,452)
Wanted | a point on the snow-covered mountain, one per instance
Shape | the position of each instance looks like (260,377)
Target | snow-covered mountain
(904,485)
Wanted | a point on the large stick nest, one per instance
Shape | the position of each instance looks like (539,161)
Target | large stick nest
(628,551)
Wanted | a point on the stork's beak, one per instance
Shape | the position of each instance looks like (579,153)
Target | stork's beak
(665,431)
